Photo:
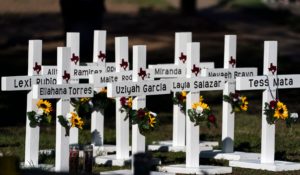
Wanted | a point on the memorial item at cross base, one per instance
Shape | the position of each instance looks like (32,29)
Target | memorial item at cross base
(42,115)
(180,100)
(72,120)
(238,102)
(201,112)
(84,106)
(145,119)
(276,110)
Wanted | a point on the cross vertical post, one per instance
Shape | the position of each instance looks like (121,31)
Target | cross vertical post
(139,63)
(227,116)
(192,132)
(181,40)
(122,127)
(268,131)
(32,134)
(62,108)
(73,42)
(99,57)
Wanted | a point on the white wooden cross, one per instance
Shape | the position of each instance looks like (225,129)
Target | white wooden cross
(194,84)
(140,89)
(269,83)
(63,91)
(176,70)
(82,71)
(122,126)
(229,72)
(21,83)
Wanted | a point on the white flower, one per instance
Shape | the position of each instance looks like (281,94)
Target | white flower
(154,114)
(40,112)
(39,119)
(294,115)
(69,116)
(91,103)
(36,117)
(199,110)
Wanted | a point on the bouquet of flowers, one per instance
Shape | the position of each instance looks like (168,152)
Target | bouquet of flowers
(276,110)
(87,105)
(70,121)
(42,115)
(126,106)
(100,100)
(201,112)
(145,119)
(180,100)
(238,103)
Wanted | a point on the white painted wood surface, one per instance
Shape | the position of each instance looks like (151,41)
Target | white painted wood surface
(122,126)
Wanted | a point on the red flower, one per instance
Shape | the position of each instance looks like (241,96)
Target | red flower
(235,95)
(211,118)
(141,113)
(273,104)
(123,101)
(181,98)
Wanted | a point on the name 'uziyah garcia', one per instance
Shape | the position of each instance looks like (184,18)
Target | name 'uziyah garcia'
(146,88)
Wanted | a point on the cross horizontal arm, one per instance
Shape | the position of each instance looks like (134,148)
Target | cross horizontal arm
(197,84)
(64,91)
(101,80)
(231,73)
(142,88)
(268,82)
(22,83)
(175,71)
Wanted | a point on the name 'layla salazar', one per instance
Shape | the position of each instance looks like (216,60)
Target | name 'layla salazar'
(197,84)
(137,88)
(65,90)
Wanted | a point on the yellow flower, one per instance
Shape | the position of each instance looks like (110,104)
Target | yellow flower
(201,98)
(151,120)
(45,106)
(76,121)
(281,111)
(103,90)
(244,106)
(183,93)
(204,105)
(195,105)
(83,100)
(129,102)
(200,104)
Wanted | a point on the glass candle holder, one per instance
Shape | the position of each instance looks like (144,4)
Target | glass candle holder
(74,158)
(88,158)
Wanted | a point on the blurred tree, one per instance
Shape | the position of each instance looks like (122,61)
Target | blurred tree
(188,7)
(83,16)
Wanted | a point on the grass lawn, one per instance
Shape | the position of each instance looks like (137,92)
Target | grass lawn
(247,138)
